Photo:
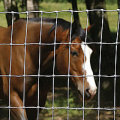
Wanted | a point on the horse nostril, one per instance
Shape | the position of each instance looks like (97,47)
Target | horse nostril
(87,93)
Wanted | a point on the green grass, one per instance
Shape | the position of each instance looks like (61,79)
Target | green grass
(61,100)
(112,16)
(3,21)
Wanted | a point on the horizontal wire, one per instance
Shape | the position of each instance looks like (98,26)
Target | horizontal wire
(66,108)
(79,11)
(59,75)
(99,43)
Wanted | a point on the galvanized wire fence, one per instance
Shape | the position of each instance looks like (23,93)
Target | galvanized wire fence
(99,75)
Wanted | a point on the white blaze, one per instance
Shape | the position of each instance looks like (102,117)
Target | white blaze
(87,68)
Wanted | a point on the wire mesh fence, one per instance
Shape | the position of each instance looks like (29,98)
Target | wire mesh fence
(39,75)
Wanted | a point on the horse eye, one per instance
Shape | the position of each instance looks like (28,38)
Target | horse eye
(74,53)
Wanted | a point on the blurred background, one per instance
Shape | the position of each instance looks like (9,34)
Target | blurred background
(108,53)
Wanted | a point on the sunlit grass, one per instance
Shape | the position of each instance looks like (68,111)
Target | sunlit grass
(3,21)
(112,16)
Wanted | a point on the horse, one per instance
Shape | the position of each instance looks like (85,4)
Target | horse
(31,55)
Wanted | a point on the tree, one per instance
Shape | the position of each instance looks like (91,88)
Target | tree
(11,5)
(119,17)
(118,3)
(75,14)
(33,5)
(118,61)
(23,4)
(95,19)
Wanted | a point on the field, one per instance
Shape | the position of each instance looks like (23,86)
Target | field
(61,87)
(112,16)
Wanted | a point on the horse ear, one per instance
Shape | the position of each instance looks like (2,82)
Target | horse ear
(77,31)
(75,28)
(89,28)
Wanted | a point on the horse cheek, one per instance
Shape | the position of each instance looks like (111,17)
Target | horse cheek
(62,63)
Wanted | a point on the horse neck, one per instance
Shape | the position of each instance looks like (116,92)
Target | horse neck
(57,33)
(2,33)
(48,36)
(2,29)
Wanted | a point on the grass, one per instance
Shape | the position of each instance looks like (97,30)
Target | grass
(112,16)
(3,21)
(61,100)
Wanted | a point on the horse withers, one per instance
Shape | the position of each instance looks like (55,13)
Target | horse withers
(21,62)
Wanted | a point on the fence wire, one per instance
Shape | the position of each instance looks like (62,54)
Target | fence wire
(39,75)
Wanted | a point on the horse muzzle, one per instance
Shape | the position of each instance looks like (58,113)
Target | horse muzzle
(88,94)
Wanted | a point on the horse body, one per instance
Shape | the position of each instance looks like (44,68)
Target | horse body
(17,66)
(30,62)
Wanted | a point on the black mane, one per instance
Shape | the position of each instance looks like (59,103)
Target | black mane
(64,24)
(60,22)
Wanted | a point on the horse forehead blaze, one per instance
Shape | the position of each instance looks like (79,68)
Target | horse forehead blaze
(87,67)
(84,67)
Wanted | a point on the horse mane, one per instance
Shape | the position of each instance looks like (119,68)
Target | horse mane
(65,25)
(60,22)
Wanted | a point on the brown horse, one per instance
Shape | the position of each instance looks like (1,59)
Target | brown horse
(24,61)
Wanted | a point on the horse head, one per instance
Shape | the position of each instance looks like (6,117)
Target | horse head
(80,66)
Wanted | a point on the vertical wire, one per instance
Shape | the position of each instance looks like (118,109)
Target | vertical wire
(24,65)
(84,66)
(39,65)
(53,91)
(10,61)
(116,63)
(68,84)
(100,64)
